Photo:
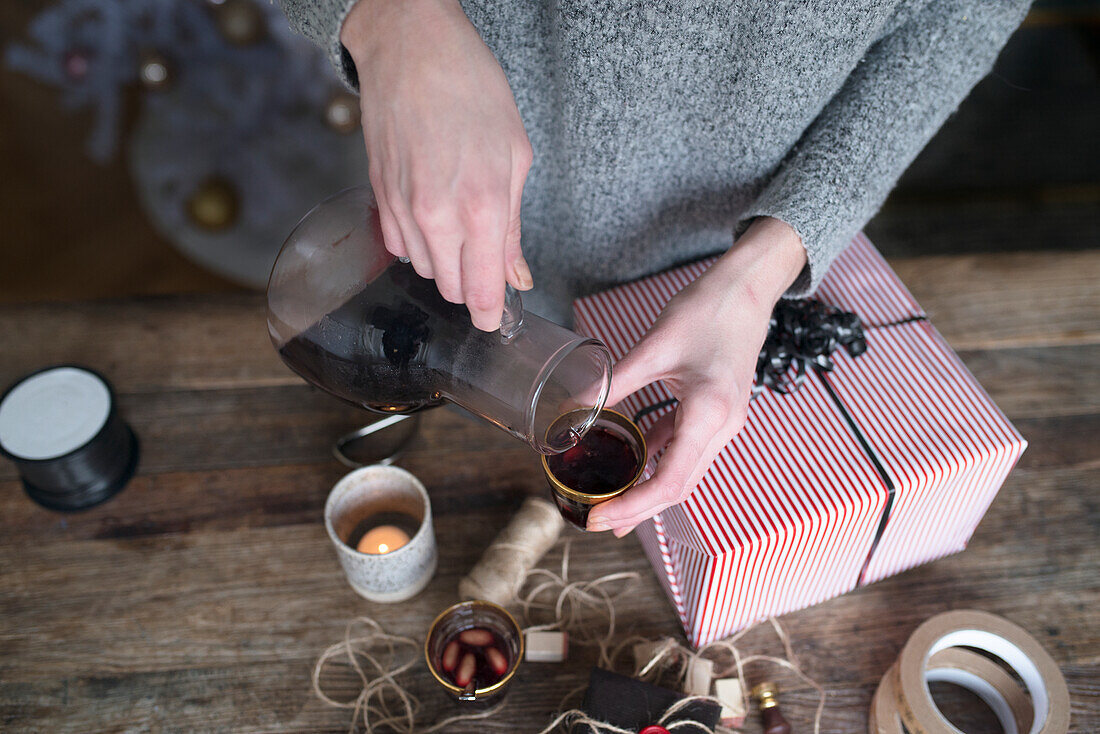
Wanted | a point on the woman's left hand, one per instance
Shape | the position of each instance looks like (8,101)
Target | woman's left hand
(704,347)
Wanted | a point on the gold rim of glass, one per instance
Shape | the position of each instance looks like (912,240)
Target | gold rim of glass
(612,416)
(473,603)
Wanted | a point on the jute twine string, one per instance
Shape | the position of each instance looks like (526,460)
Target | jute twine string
(577,605)
(577,717)
(382,702)
(669,653)
(506,563)
(576,597)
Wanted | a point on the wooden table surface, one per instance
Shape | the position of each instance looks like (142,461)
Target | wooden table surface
(199,598)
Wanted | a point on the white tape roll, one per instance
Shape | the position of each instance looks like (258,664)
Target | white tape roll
(903,696)
(969,670)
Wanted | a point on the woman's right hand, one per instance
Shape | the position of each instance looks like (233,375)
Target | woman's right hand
(447,148)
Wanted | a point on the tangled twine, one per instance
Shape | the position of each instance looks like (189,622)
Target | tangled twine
(383,701)
(383,686)
(583,609)
(575,603)
(670,653)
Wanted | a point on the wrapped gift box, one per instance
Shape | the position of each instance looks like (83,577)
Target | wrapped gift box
(886,462)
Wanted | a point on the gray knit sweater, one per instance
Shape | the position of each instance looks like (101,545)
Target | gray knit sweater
(660,129)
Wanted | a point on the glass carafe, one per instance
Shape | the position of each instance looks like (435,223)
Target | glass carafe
(359,323)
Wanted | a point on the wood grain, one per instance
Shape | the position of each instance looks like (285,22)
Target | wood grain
(1023,299)
(199,598)
(978,302)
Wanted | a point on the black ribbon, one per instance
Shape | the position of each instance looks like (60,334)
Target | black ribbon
(803,335)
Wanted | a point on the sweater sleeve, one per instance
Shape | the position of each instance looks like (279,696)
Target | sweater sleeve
(896,98)
(320,21)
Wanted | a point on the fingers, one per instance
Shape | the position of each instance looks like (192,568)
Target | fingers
(416,248)
(387,223)
(643,364)
(483,260)
(437,219)
(516,270)
(699,432)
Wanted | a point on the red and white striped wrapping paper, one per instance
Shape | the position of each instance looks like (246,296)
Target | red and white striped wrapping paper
(787,515)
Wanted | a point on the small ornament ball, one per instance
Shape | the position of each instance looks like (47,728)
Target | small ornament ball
(214,205)
(154,71)
(342,112)
(76,64)
(241,22)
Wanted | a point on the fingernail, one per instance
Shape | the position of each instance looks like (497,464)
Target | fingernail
(598,524)
(620,532)
(523,274)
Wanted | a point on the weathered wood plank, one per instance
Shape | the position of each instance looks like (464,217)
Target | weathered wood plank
(193,343)
(957,222)
(207,632)
(204,477)
(217,429)
(157,343)
(294,424)
(1039,381)
(1027,299)
(260,496)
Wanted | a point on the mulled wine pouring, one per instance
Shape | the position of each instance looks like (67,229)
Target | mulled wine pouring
(362,325)
(607,461)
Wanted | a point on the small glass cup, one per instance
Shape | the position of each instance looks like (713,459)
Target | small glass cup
(575,505)
(465,615)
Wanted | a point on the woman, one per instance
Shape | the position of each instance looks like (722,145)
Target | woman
(639,135)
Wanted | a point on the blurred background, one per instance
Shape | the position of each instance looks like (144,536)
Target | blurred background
(169,147)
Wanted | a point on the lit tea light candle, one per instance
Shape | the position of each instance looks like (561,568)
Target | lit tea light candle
(382,539)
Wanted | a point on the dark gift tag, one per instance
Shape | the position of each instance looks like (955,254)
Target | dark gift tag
(633,704)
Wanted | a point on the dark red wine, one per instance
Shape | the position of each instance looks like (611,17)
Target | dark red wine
(474,658)
(574,511)
(375,351)
(600,463)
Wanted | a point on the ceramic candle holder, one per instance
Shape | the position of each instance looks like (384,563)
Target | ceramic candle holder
(382,491)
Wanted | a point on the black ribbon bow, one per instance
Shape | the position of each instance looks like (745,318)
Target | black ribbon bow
(804,333)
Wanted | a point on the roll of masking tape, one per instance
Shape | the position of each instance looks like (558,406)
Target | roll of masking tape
(971,671)
(904,696)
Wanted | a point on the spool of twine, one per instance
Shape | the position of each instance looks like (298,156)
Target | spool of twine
(504,566)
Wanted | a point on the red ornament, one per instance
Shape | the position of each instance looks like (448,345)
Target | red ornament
(654,729)
(76,63)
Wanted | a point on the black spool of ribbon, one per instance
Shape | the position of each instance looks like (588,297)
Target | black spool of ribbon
(61,428)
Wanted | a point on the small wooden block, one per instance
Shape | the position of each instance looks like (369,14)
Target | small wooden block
(546,646)
(700,672)
(729,692)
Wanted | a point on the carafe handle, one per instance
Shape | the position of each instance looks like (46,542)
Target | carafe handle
(511,322)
